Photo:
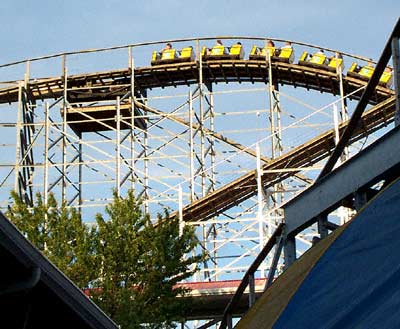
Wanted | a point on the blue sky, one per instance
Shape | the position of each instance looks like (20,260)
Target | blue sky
(41,27)
(32,28)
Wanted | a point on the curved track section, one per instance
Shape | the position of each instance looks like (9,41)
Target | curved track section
(107,85)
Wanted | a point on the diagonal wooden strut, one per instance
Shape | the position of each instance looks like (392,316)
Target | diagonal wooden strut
(306,154)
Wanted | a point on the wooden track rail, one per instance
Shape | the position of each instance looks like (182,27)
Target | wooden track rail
(107,85)
(304,155)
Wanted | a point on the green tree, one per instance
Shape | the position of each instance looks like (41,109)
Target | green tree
(60,234)
(131,264)
(141,264)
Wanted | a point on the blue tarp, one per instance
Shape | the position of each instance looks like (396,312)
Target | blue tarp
(356,282)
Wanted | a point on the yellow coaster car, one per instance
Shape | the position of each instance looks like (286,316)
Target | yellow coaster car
(386,79)
(236,51)
(285,54)
(317,60)
(353,71)
(365,73)
(221,52)
(169,56)
(259,53)
(320,61)
(335,63)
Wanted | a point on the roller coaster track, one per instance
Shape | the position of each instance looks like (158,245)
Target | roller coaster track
(102,86)
(107,85)
(306,154)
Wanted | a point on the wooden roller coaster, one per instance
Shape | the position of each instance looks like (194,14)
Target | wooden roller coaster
(102,86)
(92,107)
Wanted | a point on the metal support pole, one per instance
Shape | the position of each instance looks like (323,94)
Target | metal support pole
(46,167)
(118,147)
(27,73)
(205,245)
(276,194)
(396,76)
(278,191)
(322,226)
(146,166)
(24,164)
(343,104)
(289,250)
(201,119)
(277,110)
(191,146)
(181,222)
(212,139)
(80,173)
(46,153)
(252,290)
(64,132)
(28,131)
(274,263)
(260,198)
(275,113)
(360,199)
(131,102)
(260,203)
(24,141)
(342,212)
(271,106)
(336,123)
(202,135)
(18,141)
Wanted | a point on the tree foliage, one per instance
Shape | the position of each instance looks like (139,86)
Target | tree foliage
(58,231)
(131,264)
(148,259)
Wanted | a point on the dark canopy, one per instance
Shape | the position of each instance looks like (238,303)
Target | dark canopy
(35,294)
(349,280)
